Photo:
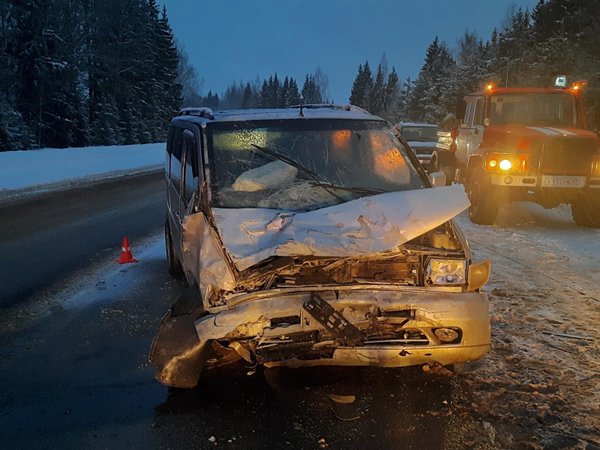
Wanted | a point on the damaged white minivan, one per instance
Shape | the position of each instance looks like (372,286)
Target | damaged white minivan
(312,236)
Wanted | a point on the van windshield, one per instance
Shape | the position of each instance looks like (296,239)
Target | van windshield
(302,165)
(534,109)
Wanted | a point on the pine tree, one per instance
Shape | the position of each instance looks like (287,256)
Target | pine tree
(14,132)
(392,94)
(283,93)
(404,96)
(292,94)
(514,50)
(426,101)
(377,97)
(361,88)
(248,98)
(166,63)
(310,91)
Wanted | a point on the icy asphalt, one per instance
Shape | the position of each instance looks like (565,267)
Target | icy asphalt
(73,363)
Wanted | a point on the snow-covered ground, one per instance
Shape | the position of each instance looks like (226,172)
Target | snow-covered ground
(539,386)
(52,168)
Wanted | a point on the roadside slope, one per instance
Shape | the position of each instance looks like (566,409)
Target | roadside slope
(27,173)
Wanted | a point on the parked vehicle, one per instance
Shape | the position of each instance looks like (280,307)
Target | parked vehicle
(422,139)
(312,236)
(525,144)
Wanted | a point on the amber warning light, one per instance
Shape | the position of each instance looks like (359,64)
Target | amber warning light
(578,86)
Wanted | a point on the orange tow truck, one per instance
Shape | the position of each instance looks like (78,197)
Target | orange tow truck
(524,143)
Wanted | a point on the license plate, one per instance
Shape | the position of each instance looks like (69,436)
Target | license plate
(563,181)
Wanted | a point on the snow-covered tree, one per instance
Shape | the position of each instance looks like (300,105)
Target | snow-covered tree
(392,97)
(377,93)
(426,102)
(310,90)
(361,88)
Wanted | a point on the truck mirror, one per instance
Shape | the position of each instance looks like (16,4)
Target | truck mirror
(438,179)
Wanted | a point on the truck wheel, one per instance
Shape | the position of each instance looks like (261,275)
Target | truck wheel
(586,212)
(442,162)
(484,204)
(175,268)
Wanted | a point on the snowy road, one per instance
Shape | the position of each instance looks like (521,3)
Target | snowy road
(541,382)
(75,364)
(46,237)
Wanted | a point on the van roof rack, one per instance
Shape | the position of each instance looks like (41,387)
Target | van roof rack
(202,111)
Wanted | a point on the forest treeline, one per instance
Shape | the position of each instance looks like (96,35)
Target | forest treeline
(273,92)
(83,72)
(557,37)
(103,72)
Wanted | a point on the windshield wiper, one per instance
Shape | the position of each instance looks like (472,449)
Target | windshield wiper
(316,182)
(297,165)
(356,189)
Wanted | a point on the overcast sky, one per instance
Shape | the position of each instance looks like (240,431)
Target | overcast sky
(239,39)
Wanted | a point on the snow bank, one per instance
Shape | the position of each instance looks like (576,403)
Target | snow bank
(27,169)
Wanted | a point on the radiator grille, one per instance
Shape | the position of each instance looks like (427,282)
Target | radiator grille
(567,156)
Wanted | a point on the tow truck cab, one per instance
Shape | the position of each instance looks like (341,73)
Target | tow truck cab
(525,144)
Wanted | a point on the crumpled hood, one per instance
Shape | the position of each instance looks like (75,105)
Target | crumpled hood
(364,226)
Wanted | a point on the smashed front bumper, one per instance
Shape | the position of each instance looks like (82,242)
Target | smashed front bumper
(396,328)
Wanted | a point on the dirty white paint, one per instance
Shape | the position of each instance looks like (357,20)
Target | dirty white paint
(364,226)
(203,256)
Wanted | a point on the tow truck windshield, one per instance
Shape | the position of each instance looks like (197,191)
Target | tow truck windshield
(534,109)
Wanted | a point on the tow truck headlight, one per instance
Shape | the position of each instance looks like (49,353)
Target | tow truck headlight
(446,272)
(505,164)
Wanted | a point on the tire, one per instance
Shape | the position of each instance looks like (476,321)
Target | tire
(442,162)
(175,267)
(484,204)
(586,212)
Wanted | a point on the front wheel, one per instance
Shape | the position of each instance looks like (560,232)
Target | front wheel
(586,212)
(175,268)
(484,204)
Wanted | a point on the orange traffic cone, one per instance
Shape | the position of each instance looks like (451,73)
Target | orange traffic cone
(126,256)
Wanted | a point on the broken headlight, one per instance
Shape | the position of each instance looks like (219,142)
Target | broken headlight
(446,272)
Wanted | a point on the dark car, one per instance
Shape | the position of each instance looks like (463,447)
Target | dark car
(311,236)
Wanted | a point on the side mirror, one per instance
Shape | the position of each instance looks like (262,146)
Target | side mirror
(486,122)
(438,179)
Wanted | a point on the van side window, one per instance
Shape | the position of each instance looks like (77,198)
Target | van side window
(176,150)
(190,174)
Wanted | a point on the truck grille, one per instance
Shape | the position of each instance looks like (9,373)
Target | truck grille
(567,156)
